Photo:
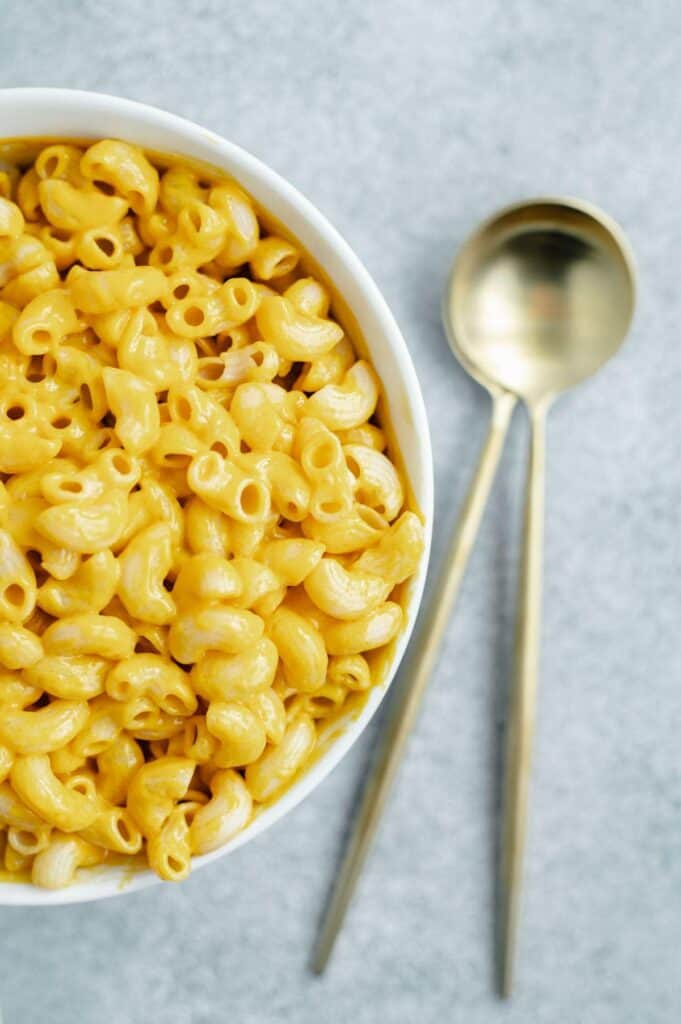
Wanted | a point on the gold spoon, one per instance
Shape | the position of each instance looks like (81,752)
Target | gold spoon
(538,299)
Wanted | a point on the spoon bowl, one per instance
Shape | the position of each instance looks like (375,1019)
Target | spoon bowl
(540,297)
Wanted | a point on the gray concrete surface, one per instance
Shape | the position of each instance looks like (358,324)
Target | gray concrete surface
(405,123)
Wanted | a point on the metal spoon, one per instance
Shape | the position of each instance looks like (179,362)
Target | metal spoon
(538,298)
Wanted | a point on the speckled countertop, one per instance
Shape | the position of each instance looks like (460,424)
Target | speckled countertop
(405,123)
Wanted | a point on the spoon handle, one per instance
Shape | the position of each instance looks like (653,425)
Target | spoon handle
(405,705)
(520,724)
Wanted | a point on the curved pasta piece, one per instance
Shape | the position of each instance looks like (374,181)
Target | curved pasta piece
(361,529)
(55,867)
(11,219)
(350,671)
(117,468)
(57,803)
(144,720)
(375,629)
(295,335)
(17,581)
(319,450)
(90,588)
(155,676)
(133,402)
(220,677)
(113,829)
(291,492)
(398,552)
(221,484)
(206,577)
(301,649)
(29,841)
(65,762)
(240,731)
(103,726)
(144,565)
(206,419)
(212,628)
(14,813)
(225,814)
(293,558)
(72,209)
(60,160)
(106,636)
(345,593)
(85,527)
(261,589)
(106,291)
(328,369)
(125,168)
(116,766)
(44,730)
(45,322)
(309,296)
(23,449)
(269,707)
(169,852)
(347,405)
(274,257)
(272,772)
(18,692)
(257,418)
(377,482)
(367,434)
(100,248)
(69,676)
(194,742)
(69,484)
(154,790)
(243,229)
(19,647)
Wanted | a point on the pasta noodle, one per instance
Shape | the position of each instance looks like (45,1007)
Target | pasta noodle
(201,524)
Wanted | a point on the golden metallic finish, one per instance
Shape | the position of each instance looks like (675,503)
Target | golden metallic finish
(538,299)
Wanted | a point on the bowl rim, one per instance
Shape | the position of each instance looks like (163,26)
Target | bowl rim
(39,101)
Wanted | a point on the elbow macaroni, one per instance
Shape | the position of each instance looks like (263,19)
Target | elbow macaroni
(201,525)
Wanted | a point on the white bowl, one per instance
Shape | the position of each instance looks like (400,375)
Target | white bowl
(63,113)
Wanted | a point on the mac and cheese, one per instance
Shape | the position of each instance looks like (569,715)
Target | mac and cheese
(201,526)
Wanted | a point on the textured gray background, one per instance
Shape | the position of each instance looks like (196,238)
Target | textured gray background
(405,123)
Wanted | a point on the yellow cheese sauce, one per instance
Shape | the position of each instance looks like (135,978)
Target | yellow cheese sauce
(20,152)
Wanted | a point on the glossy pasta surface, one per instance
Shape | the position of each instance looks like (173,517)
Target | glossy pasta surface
(203,535)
